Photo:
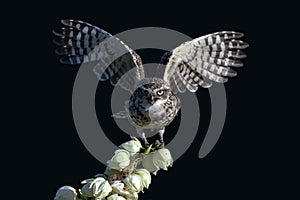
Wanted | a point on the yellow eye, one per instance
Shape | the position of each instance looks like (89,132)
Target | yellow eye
(160,92)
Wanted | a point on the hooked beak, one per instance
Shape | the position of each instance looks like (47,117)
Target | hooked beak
(151,100)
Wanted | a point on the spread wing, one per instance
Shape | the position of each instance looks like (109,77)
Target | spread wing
(79,42)
(204,60)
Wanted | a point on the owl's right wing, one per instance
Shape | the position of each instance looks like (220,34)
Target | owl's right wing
(204,60)
(80,42)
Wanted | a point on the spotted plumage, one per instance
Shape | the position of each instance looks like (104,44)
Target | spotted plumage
(150,109)
(153,104)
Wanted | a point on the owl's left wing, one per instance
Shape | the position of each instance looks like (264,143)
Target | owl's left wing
(204,60)
(80,42)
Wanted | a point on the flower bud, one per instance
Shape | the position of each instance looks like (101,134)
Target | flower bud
(162,158)
(98,187)
(132,196)
(148,164)
(145,177)
(120,160)
(132,146)
(115,197)
(118,187)
(134,182)
(66,193)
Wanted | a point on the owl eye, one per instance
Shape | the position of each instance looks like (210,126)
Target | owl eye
(160,92)
(145,92)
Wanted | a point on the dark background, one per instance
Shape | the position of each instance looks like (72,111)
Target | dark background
(255,156)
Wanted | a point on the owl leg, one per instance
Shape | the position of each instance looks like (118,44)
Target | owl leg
(161,138)
(141,133)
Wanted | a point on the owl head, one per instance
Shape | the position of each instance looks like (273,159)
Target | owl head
(152,92)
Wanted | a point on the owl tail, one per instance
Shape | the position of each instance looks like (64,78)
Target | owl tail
(121,115)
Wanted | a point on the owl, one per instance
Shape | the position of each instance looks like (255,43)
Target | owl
(153,103)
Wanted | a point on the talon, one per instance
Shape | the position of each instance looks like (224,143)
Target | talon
(146,144)
(162,145)
(132,137)
(159,144)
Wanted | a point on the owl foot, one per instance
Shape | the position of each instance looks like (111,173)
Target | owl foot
(145,143)
(159,144)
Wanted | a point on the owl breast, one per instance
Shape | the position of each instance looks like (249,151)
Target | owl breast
(156,116)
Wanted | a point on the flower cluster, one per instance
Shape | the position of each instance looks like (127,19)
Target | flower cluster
(127,174)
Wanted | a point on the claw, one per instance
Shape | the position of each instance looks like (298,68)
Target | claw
(146,144)
(159,144)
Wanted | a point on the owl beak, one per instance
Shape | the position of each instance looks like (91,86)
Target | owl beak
(151,100)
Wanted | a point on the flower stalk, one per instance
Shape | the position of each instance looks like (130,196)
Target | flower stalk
(128,172)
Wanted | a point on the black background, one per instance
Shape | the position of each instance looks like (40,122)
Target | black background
(254,157)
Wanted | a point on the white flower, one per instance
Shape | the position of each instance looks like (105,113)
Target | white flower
(134,182)
(132,196)
(120,160)
(133,146)
(118,187)
(115,197)
(66,193)
(145,177)
(106,189)
(98,188)
(162,158)
(148,164)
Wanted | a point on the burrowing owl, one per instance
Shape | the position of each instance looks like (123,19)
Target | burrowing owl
(153,104)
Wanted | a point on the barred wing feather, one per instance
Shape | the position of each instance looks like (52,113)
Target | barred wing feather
(79,42)
(204,60)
